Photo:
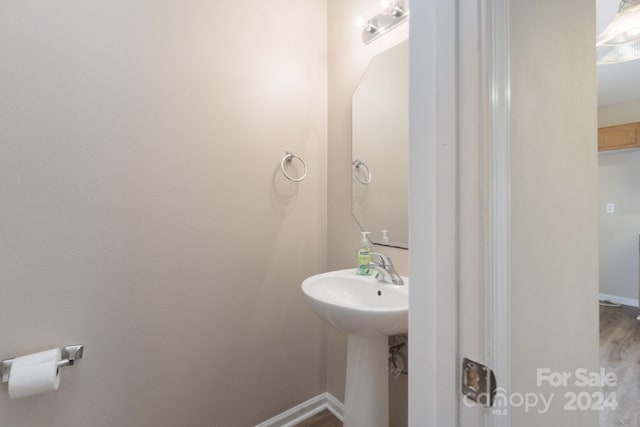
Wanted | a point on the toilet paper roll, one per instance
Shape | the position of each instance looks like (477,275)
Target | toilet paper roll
(34,374)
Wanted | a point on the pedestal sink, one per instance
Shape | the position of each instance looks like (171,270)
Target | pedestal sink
(368,311)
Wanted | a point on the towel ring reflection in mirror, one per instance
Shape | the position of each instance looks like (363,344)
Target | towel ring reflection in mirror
(357,163)
(288,158)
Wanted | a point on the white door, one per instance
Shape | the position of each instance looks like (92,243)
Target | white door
(456,73)
(483,207)
(468,88)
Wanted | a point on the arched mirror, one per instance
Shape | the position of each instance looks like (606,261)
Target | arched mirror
(380,148)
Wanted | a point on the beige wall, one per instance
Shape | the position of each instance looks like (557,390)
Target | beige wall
(143,213)
(348,58)
(554,183)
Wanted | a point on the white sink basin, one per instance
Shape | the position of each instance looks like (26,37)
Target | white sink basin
(359,305)
(368,311)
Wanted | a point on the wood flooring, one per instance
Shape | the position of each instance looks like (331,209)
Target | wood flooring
(321,419)
(620,353)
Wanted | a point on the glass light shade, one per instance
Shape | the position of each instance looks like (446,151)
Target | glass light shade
(620,41)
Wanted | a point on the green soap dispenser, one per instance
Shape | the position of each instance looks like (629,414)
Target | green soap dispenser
(363,255)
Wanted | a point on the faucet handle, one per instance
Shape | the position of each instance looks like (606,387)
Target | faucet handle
(385,261)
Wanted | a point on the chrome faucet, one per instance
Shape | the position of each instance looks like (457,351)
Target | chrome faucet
(385,271)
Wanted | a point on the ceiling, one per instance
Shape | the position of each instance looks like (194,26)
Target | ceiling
(616,82)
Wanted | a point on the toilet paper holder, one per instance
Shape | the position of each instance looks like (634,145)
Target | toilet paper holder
(70,354)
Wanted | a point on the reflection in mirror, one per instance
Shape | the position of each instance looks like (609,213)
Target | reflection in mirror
(380,148)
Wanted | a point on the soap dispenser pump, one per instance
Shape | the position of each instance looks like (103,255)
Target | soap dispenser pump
(363,256)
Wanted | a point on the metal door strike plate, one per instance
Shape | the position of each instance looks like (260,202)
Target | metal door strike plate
(478,382)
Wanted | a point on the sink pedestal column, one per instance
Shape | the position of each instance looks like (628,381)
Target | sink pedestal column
(367,388)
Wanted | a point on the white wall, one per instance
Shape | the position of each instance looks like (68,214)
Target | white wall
(619,183)
(618,114)
(143,213)
(554,241)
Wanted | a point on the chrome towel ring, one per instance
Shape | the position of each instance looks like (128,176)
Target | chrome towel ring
(357,163)
(288,158)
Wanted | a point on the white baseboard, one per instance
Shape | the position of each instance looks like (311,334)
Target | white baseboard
(619,300)
(305,410)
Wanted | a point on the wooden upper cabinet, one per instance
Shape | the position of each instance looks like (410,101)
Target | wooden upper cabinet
(618,137)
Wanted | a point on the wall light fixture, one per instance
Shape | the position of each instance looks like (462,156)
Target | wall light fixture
(394,14)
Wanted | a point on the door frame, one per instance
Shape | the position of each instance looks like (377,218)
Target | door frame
(434,389)
(432,208)
(499,259)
